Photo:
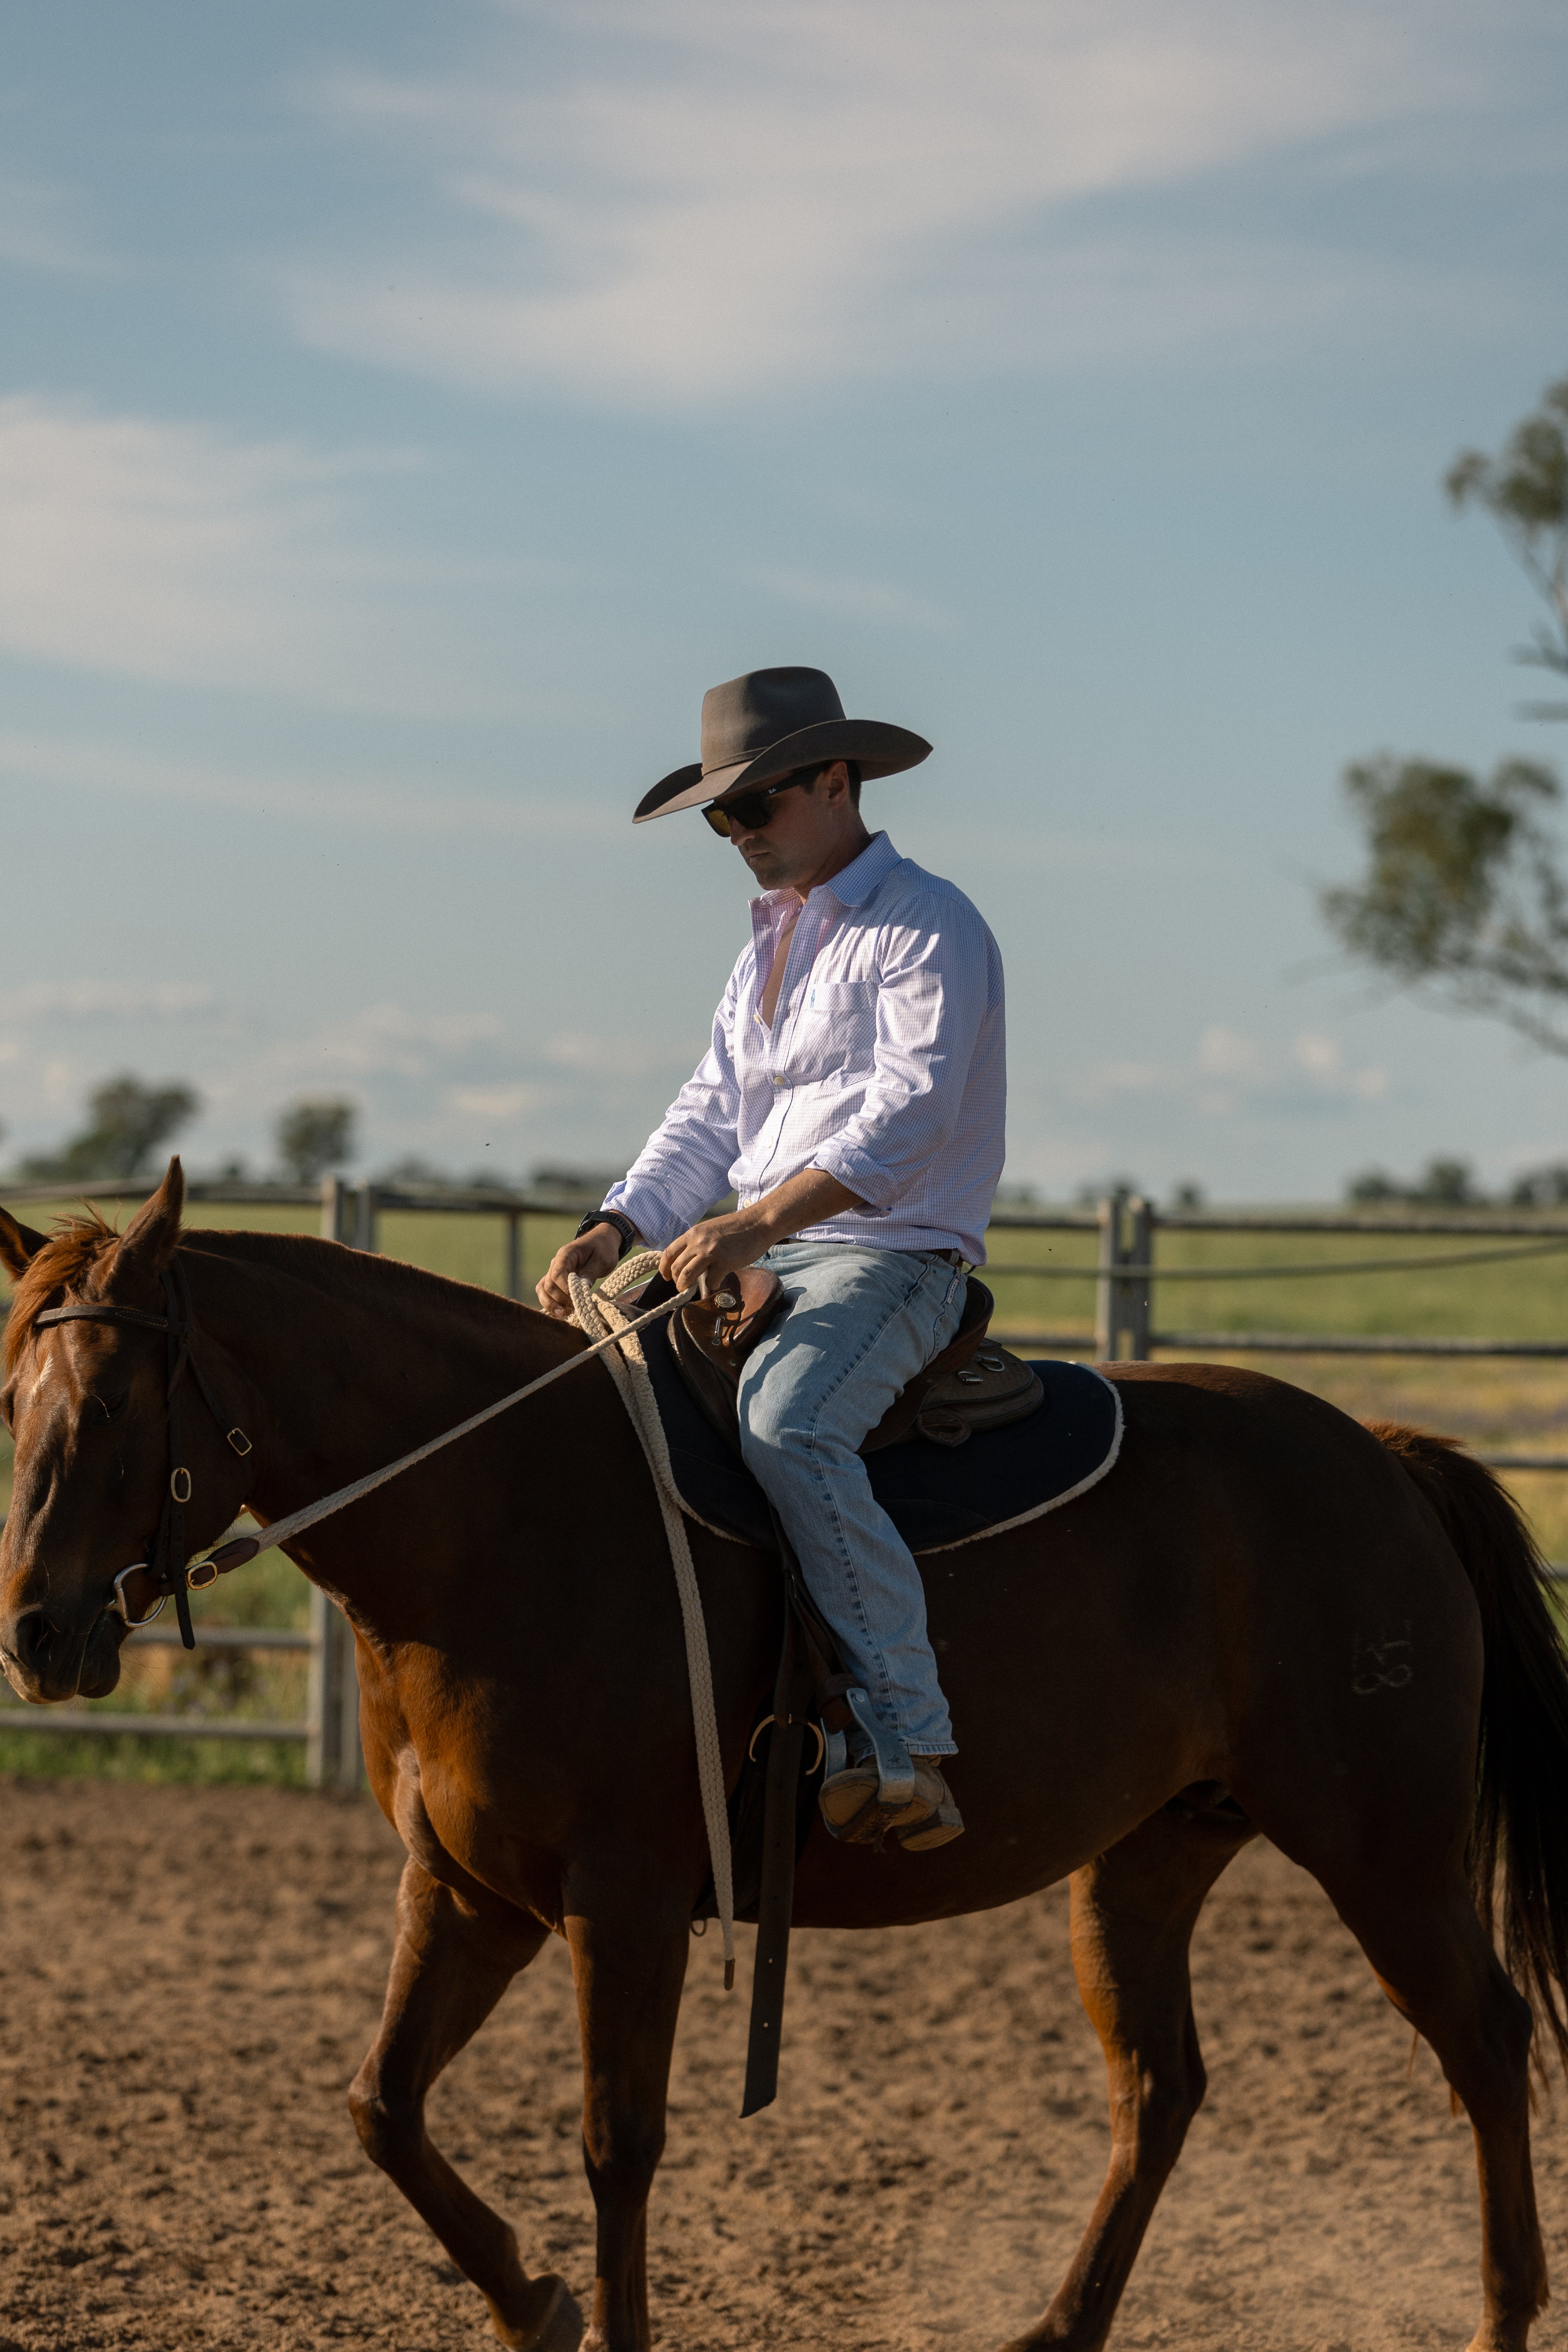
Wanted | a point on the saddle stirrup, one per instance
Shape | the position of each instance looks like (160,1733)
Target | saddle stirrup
(895,1772)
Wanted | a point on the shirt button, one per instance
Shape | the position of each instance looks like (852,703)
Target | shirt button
(778,1082)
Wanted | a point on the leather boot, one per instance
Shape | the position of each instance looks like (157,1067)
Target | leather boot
(849,1807)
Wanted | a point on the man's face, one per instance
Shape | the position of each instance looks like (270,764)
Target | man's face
(809,829)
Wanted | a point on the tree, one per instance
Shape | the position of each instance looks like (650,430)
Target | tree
(1541,1188)
(1525,489)
(1445,1184)
(127,1120)
(1463,891)
(315,1136)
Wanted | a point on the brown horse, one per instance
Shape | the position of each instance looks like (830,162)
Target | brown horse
(1345,1631)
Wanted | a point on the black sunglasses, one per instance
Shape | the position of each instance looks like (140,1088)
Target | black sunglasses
(753,810)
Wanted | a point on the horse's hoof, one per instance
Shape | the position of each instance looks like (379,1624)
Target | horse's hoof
(545,2318)
(1505,2333)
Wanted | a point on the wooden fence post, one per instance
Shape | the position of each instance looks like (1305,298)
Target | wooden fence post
(1137,1293)
(366,1234)
(332,1192)
(1107,1289)
(332,1755)
(1121,1300)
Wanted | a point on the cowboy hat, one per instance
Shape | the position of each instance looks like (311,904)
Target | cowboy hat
(758,728)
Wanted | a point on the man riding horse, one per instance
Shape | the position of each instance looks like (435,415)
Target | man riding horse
(853,1097)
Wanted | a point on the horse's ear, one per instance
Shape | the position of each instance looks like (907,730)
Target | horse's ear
(19,1245)
(150,1240)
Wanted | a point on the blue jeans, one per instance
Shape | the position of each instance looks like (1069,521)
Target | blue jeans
(864,1322)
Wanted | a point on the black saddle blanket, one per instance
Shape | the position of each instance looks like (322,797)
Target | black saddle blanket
(935,1495)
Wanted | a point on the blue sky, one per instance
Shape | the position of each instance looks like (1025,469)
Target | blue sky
(407,414)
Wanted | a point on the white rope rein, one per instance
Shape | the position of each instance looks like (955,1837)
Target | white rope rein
(595,1313)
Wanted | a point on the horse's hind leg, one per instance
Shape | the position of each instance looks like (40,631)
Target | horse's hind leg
(1437,1966)
(449,1970)
(1134,1911)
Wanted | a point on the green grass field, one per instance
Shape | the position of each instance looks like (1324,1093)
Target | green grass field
(1492,1405)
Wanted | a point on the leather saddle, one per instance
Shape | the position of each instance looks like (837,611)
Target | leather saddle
(972,1384)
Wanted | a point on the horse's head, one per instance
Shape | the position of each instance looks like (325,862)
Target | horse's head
(86,1403)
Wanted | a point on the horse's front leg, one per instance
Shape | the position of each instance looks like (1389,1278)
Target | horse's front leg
(450,1967)
(629,1940)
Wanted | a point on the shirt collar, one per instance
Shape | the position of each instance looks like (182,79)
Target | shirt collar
(854,883)
(851,886)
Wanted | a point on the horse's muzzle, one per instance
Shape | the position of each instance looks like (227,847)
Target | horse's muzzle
(47,1662)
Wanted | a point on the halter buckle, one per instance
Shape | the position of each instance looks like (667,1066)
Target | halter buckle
(240,1442)
(206,1572)
(176,1479)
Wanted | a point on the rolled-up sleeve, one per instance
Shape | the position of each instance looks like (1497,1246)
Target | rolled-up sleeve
(936,987)
(684,1167)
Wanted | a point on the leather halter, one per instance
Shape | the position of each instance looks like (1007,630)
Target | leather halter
(165,1567)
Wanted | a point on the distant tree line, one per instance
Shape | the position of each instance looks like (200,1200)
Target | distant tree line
(1451,1184)
(1187,1196)
(130,1121)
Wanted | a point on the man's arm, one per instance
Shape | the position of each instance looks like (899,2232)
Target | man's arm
(683,1166)
(720,1246)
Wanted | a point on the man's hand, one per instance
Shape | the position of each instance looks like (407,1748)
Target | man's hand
(699,1259)
(597,1254)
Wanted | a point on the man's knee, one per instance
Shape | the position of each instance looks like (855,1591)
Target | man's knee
(766,1428)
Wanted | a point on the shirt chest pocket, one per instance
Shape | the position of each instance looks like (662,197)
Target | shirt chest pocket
(837,1035)
(846,998)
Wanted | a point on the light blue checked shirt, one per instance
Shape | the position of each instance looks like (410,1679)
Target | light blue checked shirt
(885,1067)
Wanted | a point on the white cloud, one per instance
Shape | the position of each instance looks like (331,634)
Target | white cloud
(1230,1071)
(59,1082)
(1323,1058)
(1225,1053)
(498,1104)
(417,805)
(97,1000)
(596,1056)
(175,552)
(681,198)
(381,1041)
(856,600)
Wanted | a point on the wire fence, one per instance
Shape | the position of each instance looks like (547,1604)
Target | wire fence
(1126,1268)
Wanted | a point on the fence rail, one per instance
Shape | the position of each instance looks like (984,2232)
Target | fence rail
(1125,1269)
(328,1730)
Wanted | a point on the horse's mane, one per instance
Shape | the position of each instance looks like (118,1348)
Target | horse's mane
(74,1246)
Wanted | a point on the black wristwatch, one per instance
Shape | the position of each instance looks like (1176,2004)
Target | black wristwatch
(623,1225)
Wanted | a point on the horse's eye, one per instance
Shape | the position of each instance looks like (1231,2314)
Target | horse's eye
(114,1406)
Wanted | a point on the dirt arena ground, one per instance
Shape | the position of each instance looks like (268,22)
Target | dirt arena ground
(191,1976)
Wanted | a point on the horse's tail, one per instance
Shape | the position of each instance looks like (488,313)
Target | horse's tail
(1522,1788)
